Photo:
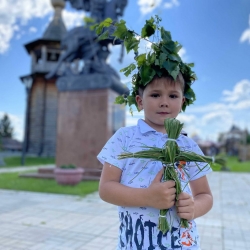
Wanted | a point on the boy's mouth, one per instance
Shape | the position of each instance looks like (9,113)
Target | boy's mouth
(163,113)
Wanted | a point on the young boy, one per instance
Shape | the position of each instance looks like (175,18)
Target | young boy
(135,186)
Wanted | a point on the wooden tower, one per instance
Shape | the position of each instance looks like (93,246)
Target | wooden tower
(42,94)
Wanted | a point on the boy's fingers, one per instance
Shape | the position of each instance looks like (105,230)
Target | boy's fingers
(183,196)
(170,184)
(158,177)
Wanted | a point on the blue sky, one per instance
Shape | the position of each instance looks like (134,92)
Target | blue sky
(215,35)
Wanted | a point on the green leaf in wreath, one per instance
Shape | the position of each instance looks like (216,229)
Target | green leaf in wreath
(94,27)
(190,94)
(106,23)
(98,29)
(162,59)
(174,57)
(146,73)
(178,48)
(104,35)
(170,65)
(158,72)
(131,100)
(190,64)
(127,70)
(131,44)
(88,20)
(141,59)
(134,79)
(121,31)
(155,47)
(169,46)
(164,50)
(194,77)
(165,35)
(149,28)
(175,72)
(157,62)
(151,58)
(120,99)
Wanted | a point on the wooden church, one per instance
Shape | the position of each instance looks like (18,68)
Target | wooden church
(42,94)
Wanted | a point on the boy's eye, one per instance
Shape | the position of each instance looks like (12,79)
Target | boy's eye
(155,95)
(173,96)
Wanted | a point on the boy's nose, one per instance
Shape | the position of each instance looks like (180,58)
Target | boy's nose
(164,105)
(164,102)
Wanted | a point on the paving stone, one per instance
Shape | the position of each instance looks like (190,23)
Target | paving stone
(39,221)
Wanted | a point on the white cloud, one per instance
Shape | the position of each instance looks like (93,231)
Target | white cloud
(215,116)
(211,119)
(73,18)
(33,29)
(241,105)
(246,34)
(147,6)
(183,54)
(241,92)
(187,119)
(216,122)
(6,34)
(14,14)
(171,4)
(206,108)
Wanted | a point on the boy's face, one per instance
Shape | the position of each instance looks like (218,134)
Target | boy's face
(161,99)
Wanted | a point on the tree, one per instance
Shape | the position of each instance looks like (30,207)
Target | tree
(6,129)
(248,138)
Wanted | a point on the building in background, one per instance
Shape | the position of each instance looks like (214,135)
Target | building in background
(235,142)
(42,94)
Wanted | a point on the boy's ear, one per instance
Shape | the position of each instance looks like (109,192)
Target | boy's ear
(139,102)
(183,100)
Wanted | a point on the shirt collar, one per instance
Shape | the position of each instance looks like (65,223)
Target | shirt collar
(144,127)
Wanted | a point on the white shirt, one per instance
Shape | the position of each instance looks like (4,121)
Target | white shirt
(138,225)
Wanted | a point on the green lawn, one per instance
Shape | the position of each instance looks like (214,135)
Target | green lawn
(235,166)
(14,182)
(29,161)
(232,163)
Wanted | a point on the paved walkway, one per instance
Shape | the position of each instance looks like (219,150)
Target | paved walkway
(38,221)
(23,169)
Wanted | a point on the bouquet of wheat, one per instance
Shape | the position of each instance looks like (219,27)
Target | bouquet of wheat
(168,155)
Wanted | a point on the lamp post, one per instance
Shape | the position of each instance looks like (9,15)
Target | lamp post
(27,81)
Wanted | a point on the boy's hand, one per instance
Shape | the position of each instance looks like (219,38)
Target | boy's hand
(185,206)
(161,195)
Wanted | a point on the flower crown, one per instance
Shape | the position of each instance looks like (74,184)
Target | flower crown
(162,59)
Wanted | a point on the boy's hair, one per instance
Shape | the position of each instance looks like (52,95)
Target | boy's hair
(179,79)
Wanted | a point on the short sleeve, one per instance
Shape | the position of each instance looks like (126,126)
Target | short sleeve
(112,149)
(198,169)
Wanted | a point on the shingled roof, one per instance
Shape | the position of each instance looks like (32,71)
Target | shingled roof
(56,29)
